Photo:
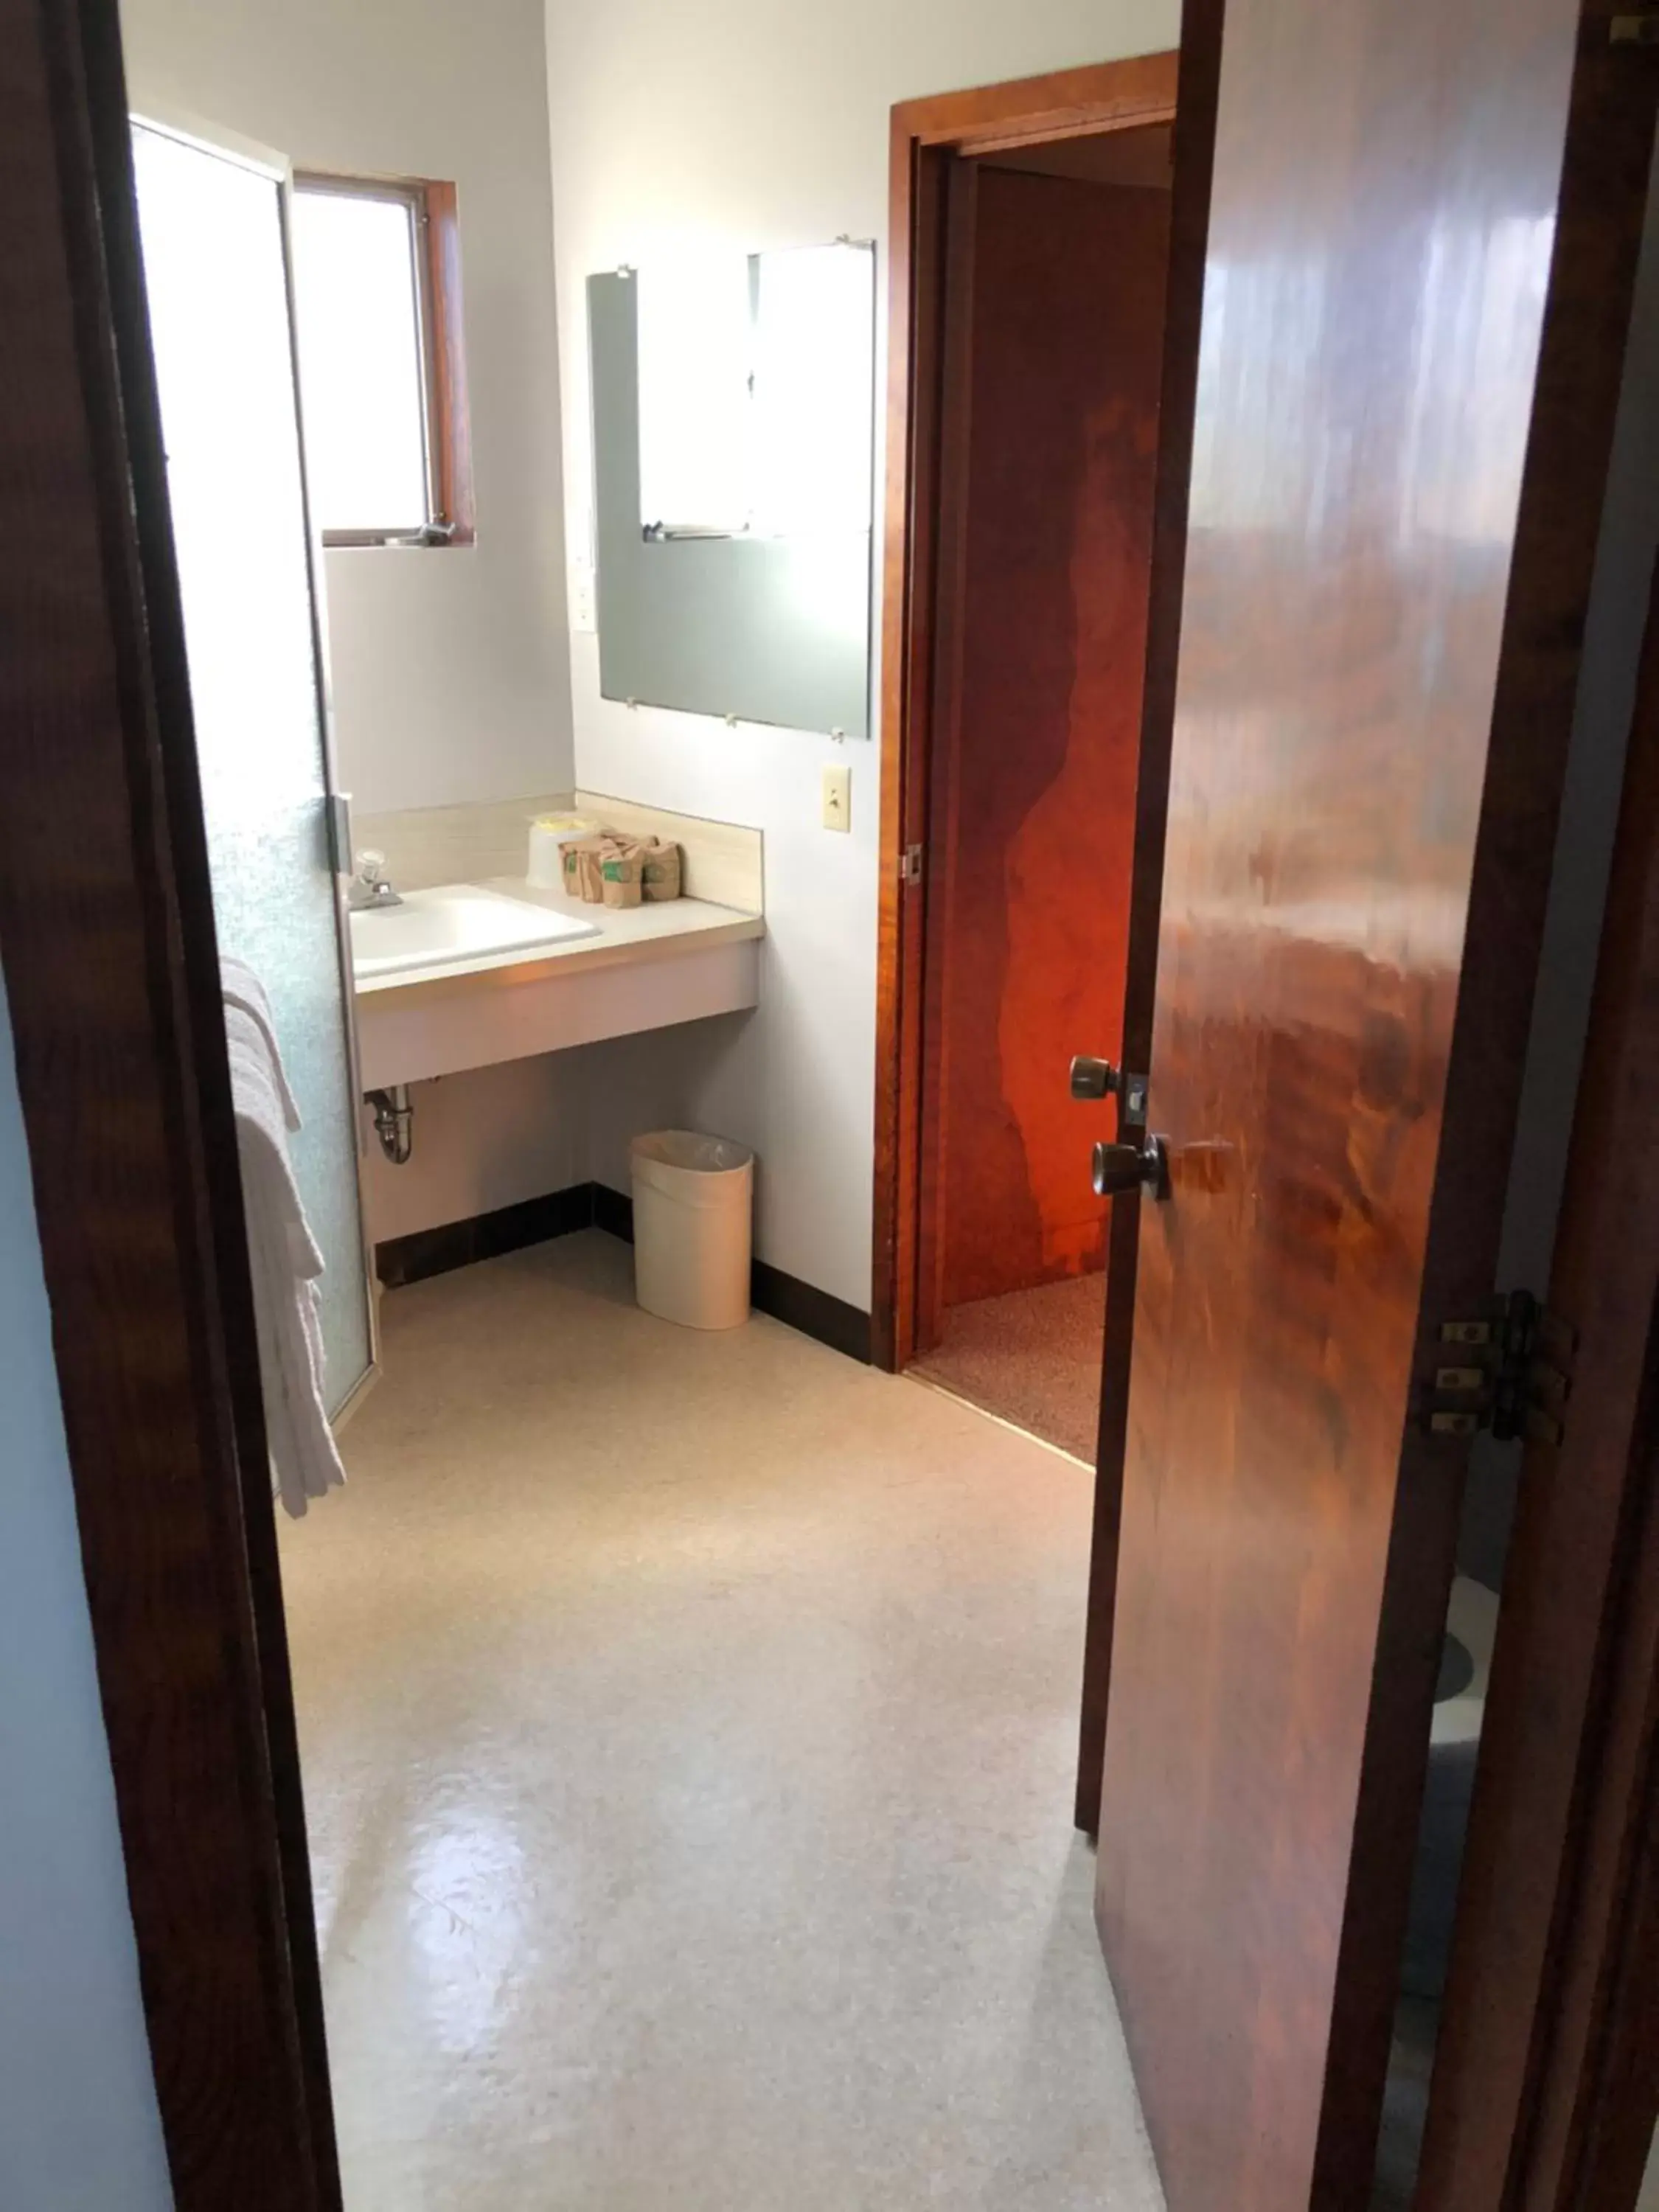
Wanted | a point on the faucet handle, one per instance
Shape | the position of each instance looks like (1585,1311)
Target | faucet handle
(371,866)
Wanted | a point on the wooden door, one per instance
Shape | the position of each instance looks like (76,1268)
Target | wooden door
(1037,713)
(1403,414)
(935,144)
(117,1015)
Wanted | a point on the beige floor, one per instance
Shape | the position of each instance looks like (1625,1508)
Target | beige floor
(687,1727)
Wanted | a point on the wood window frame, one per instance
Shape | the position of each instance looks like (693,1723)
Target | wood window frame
(451,517)
(1105,96)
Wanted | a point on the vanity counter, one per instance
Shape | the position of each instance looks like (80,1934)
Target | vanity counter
(626,933)
(649,967)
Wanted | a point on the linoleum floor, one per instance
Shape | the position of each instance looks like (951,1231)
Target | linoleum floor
(688,1725)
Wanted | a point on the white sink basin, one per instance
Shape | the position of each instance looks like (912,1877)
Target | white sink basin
(453,922)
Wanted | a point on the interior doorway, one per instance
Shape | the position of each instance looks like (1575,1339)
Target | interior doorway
(1024,447)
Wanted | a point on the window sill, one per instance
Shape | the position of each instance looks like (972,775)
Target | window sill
(340,541)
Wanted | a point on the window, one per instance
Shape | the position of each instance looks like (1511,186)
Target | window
(377,314)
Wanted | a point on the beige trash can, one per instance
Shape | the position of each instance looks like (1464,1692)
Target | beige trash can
(693,1211)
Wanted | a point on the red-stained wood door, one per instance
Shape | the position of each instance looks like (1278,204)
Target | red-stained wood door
(1035,766)
(1405,400)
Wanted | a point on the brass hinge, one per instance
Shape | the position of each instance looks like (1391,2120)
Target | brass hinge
(1633,30)
(910,864)
(1511,1373)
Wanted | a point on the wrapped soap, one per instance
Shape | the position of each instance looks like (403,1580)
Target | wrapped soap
(662,868)
(581,858)
(622,872)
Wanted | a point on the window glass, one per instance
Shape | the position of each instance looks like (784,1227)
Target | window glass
(358,312)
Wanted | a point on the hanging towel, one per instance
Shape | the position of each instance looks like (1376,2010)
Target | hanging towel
(243,989)
(286,1264)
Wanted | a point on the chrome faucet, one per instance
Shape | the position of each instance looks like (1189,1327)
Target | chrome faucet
(370,886)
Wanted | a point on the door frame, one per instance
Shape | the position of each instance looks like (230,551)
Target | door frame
(925,135)
(1545,2085)
(111,964)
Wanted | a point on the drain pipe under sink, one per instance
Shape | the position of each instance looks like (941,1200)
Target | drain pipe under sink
(394,1121)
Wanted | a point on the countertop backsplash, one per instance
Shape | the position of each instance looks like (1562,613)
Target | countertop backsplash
(724,860)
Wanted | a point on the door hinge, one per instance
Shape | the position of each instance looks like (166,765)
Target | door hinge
(337,816)
(910,864)
(1633,30)
(1510,1371)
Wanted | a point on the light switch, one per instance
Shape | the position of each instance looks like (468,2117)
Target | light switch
(838,798)
(583,616)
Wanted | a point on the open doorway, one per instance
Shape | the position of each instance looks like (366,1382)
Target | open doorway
(1020,588)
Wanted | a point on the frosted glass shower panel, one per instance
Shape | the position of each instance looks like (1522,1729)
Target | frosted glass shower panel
(215,270)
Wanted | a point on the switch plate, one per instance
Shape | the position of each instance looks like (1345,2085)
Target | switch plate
(838,798)
(583,612)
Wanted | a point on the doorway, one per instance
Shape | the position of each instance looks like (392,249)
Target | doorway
(1019,571)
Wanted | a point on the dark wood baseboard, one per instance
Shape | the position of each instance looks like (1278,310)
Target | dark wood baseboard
(613,1212)
(405,1259)
(812,1312)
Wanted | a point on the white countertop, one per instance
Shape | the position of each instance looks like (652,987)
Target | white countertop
(628,935)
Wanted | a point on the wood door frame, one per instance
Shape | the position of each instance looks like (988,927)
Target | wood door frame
(1549,2011)
(111,965)
(1120,95)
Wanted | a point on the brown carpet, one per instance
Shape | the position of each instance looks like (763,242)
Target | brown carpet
(1031,1356)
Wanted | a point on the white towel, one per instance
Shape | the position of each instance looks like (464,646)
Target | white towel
(243,989)
(282,1253)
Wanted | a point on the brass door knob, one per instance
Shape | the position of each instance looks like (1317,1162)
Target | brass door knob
(1093,1078)
(1120,1167)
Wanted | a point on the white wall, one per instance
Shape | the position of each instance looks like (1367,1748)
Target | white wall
(484,1139)
(79,2127)
(764,125)
(449,666)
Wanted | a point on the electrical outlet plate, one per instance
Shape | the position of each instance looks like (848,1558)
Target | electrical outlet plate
(837,789)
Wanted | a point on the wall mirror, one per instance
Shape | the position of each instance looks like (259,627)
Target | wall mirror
(733,433)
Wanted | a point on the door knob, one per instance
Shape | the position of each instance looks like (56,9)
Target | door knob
(1120,1167)
(1093,1078)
